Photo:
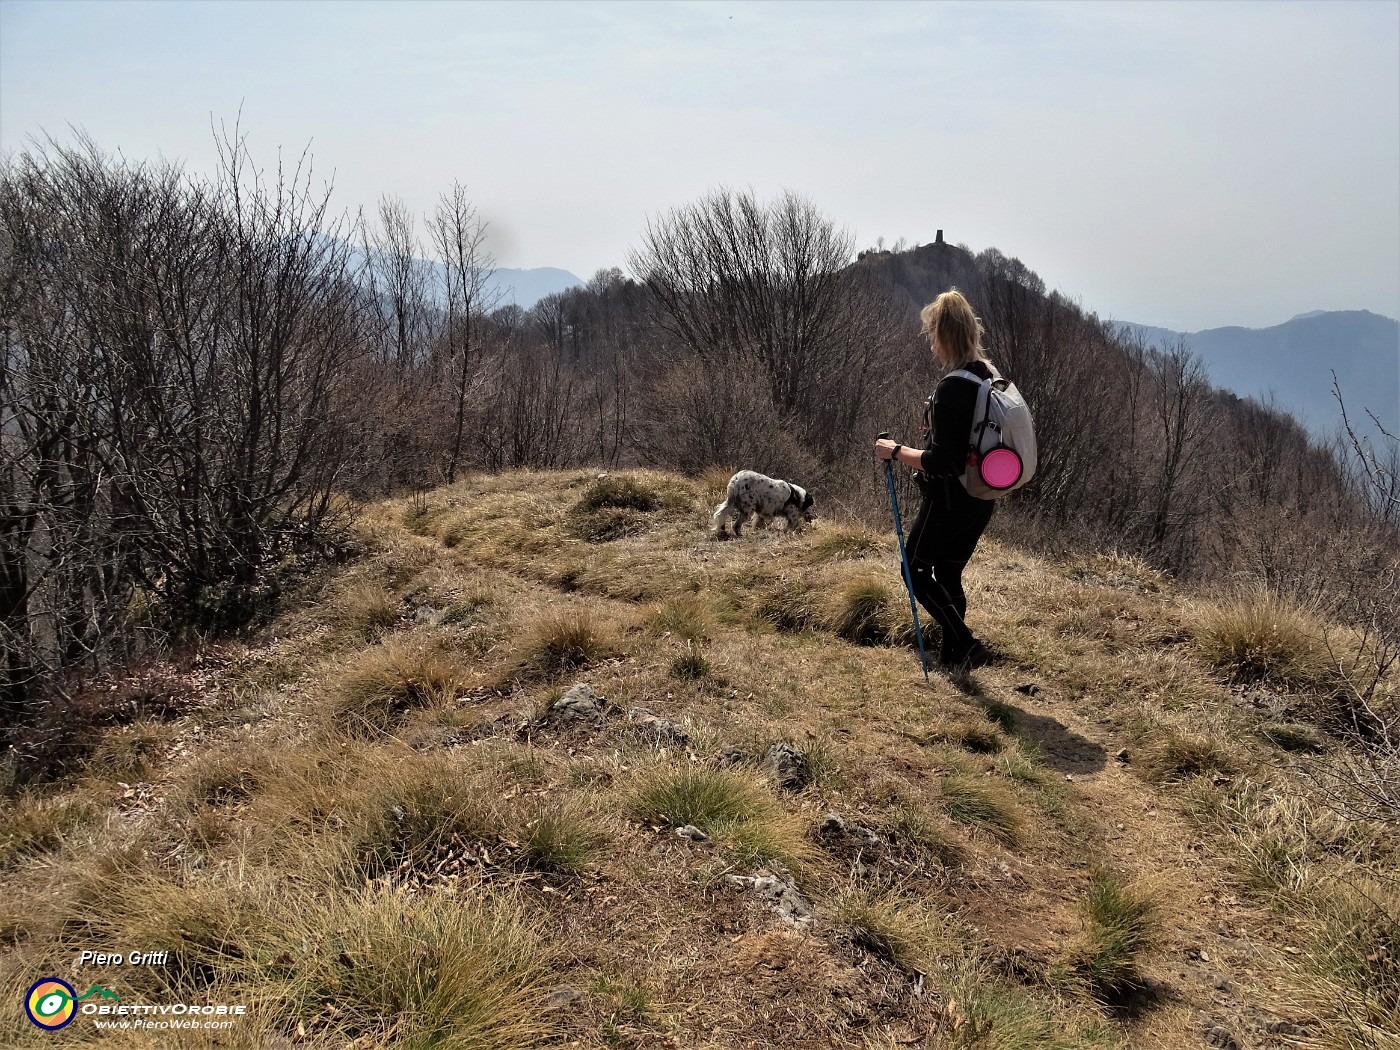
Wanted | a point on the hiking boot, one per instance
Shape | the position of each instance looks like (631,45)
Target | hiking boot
(976,655)
(980,656)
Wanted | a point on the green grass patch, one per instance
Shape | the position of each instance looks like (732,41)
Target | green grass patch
(732,807)
(1119,926)
(619,491)
(981,802)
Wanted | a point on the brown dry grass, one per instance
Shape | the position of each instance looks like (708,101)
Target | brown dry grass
(291,826)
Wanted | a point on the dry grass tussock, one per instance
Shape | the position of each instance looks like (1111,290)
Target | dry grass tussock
(377,836)
(983,802)
(365,610)
(1258,636)
(563,641)
(732,806)
(1334,877)
(865,609)
(899,926)
(847,541)
(380,685)
(367,966)
(35,824)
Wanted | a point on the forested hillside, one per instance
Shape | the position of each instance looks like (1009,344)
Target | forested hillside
(1300,362)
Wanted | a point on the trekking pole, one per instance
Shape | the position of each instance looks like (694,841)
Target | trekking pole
(904,558)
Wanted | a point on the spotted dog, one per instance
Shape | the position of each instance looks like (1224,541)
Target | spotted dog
(750,492)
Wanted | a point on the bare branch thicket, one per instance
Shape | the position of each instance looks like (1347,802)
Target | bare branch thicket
(398,430)
(549,319)
(1089,388)
(171,351)
(1117,498)
(600,331)
(459,237)
(1363,782)
(530,411)
(1185,425)
(398,281)
(738,283)
(67,540)
(1077,383)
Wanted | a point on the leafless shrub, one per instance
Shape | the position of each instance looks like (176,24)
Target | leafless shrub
(763,294)
(171,348)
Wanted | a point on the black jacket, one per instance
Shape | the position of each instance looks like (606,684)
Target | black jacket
(954,401)
(950,520)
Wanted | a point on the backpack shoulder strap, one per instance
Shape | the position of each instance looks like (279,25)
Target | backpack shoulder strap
(964,373)
(998,381)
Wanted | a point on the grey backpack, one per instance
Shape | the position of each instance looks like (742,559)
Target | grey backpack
(1001,454)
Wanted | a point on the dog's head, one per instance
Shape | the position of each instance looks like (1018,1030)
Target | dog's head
(802,499)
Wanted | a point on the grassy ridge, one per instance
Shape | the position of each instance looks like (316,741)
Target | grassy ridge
(377,830)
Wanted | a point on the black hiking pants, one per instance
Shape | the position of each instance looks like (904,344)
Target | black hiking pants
(940,544)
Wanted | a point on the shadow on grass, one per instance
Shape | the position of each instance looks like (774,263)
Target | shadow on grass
(1063,749)
(1139,1000)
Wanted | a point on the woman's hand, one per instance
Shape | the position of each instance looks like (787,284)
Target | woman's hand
(884,448)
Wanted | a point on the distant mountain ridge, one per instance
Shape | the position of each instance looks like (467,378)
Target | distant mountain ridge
(524,287)
(527,287)
(1295,361)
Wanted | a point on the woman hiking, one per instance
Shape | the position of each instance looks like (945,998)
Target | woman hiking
(950,520)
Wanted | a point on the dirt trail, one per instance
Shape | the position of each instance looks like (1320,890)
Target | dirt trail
(1212,947)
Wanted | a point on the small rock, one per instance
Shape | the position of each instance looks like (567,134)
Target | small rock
(562,996)
(657,730)
(731,756)
(788,766)
(834,829)
(866,836)
(832,825)
(579,704)
(1218,1036)
(690,831)
(782,894)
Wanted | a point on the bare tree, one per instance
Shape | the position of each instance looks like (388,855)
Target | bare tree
(1375,473)
(398,281)
(459,237)
(739,281)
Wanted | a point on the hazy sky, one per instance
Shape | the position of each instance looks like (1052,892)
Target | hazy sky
(1188,165)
